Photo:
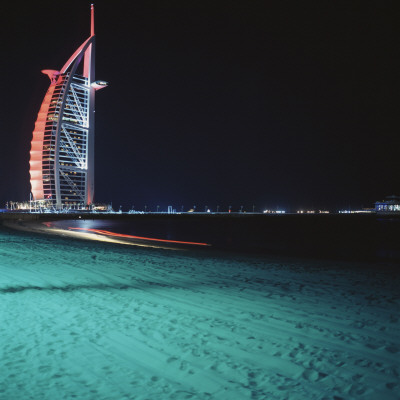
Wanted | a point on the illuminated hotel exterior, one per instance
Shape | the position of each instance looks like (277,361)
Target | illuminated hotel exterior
(62,148)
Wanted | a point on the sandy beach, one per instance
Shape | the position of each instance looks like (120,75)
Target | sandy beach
(98,320)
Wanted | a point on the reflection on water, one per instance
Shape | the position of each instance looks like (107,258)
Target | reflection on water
(330,237)
(122,235)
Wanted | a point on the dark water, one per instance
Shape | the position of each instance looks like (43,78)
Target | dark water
(334,236)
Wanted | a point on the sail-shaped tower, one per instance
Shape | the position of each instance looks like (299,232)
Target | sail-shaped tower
(62,147)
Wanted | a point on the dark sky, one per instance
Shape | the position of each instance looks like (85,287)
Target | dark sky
(276,104)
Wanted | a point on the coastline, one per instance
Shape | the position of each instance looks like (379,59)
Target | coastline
(41,228)
(363,237)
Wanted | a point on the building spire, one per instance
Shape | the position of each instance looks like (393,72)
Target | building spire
(92,20)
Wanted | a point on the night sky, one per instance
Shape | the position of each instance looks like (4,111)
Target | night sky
(273,104)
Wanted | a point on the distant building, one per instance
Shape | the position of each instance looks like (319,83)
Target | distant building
(62,148)
(391,204)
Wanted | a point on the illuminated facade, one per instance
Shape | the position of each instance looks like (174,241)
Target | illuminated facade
(390,205)
(62,147)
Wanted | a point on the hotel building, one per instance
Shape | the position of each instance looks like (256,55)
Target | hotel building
(62,147)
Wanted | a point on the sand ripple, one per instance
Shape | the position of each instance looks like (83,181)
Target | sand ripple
(100,321)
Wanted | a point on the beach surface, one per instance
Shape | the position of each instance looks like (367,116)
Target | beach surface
(98,320)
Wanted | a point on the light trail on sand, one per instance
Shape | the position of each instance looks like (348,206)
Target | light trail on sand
(122,235)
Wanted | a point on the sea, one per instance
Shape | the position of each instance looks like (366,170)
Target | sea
(347,237)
